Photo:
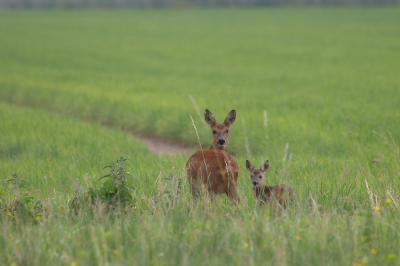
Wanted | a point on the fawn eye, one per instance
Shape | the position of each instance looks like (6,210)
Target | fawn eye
(227,131)
(260,177)
(214,132)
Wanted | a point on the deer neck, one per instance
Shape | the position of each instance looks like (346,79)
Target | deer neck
(214,146)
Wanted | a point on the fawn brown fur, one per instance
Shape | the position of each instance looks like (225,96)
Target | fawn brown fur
(278,196)
(214,169)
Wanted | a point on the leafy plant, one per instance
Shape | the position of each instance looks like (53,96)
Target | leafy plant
(116,191)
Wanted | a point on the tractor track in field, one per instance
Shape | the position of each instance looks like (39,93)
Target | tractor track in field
(163,146)
(156,144)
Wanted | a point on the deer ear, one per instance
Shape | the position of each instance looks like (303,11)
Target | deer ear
(265,166)
(210,119)
(249,166)
(230,118)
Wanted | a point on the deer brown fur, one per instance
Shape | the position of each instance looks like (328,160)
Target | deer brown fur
(214,169)
(278,196)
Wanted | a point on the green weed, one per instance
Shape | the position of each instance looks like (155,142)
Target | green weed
(116,191)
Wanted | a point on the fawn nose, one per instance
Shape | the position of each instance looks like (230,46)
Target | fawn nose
(221,142)
(255,183)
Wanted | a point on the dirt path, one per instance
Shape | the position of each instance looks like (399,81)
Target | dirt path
(162,146)
(157,145)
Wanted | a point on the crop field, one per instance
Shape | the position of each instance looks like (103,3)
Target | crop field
(316,91)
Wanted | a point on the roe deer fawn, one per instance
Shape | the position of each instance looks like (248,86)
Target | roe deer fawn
(214,168)
(278,196)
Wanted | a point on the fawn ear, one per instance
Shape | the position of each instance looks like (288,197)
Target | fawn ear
(249,166)
(230,118)
(265,166)
(210,119)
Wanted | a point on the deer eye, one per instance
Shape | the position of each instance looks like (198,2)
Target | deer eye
(260,177)
(227,131)
(214,132)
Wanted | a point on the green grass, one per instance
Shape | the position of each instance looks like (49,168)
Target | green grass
(44,148)
(311,69)
(327,77)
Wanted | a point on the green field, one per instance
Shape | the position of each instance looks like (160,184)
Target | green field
(70,80)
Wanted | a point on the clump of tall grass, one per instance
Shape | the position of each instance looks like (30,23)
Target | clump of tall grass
(22,207)
(390,144)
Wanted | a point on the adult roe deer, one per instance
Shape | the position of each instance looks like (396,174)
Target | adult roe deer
(214,168)
(278,196)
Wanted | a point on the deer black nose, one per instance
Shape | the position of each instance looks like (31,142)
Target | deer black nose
(255,183)
(221,142)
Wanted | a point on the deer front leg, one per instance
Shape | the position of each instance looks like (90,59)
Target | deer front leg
(232,192)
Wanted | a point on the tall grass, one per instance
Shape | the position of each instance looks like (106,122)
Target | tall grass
(334,222)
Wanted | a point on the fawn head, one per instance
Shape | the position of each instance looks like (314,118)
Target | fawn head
(220,130)
(257,174)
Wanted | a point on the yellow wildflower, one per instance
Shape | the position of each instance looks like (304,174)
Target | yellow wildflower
(13,264)
(377,208)
(388,200)
(356,264)
(298,237)
(364,260)
(115,251)
(73,263)
(10,235)
(246,245)
(373,251)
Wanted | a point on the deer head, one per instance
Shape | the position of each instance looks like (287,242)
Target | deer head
(220,130)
